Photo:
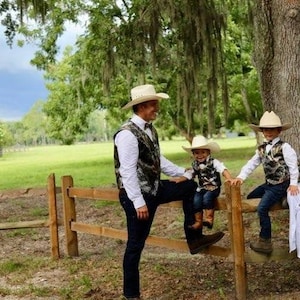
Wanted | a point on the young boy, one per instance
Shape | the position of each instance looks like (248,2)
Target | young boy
(207,170)
(279,161)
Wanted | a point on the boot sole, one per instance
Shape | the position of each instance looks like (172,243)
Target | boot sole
(197,250)
(260,250)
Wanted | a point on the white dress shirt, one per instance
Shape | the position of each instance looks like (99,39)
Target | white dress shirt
(128,151)
(294,229)
(290,158)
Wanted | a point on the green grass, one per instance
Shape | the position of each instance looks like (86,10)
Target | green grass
(91,165)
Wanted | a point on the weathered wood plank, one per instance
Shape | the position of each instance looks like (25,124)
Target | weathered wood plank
(176,244)
(24,224)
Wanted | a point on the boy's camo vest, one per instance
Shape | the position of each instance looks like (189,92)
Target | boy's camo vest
(275,168)
(148,165)
(207,174)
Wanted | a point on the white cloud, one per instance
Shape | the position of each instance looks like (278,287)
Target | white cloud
(21,84)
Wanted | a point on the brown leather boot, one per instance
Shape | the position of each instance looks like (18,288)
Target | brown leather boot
(209,215)
(204,241)
(198,221)
(262,245)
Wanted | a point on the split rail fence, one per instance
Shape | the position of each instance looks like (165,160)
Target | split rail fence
(231,203)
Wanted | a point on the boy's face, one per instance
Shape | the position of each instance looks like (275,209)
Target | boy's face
(271,133)
(201,154)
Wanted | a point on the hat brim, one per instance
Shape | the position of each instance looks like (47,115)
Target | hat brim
(259,128)
(212,146)
(158,96)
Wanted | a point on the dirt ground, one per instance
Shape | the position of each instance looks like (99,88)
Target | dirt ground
(96,273)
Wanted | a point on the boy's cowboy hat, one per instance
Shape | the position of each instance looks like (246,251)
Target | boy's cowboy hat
(143,93)
(270,120)
(200,142)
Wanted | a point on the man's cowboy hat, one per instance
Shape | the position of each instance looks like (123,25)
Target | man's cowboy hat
(200,142)
(143,93)
(270,120)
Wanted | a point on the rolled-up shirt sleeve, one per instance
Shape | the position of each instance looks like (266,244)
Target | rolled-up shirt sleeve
(169,168)
(290,158)
(250,166)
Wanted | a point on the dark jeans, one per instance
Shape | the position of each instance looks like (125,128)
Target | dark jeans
(138,230)
(269,194)
(205,199)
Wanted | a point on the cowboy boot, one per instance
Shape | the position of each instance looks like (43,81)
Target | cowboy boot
(262,245)
(198,221)
(204,241)
(209,218)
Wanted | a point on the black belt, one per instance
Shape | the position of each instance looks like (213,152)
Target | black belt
(122,192)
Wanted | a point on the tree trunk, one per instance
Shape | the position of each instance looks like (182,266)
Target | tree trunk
(277,59)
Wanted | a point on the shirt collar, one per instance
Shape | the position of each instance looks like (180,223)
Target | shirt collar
(275,140)
(137,120)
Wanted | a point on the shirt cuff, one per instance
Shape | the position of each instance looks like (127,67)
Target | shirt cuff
(139,202)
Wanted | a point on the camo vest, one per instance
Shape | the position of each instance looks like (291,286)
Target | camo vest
(148,164)
(207,173)
(275,168)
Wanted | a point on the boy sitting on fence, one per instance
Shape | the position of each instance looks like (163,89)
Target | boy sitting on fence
(206,170)
(279,161)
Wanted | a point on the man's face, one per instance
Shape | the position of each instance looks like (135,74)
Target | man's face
(149,110)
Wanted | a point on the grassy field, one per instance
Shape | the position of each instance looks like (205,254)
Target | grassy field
(91,165)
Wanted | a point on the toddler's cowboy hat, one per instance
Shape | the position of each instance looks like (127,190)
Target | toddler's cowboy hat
(143,93)
(270,120)
(200,142)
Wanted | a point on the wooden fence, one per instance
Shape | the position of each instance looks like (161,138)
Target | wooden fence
(231,203)
(52,222)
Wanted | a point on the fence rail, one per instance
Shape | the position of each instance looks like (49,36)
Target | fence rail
(232,203)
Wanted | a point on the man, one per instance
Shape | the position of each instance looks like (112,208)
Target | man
(138,166)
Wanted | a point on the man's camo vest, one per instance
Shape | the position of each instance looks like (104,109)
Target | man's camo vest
(148,165)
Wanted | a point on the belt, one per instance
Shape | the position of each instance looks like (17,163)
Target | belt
(122,192)
(210,187)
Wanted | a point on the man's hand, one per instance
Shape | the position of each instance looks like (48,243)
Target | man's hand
(178,179)
(142,213)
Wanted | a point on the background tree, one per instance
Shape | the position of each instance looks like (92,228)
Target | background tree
(277,60)
(180,47)
(34,123)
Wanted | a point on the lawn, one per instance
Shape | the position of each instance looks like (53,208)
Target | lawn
(91,165)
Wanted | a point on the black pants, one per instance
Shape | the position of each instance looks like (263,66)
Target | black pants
(138,230)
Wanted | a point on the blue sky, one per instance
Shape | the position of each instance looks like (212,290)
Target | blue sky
(21,84)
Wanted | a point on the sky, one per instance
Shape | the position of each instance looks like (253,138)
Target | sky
(21,84)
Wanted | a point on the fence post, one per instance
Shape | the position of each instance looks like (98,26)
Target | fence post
(69,216)
(53,226)
(238,242)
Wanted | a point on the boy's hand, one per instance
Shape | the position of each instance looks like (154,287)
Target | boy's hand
(293,190)
(237,181)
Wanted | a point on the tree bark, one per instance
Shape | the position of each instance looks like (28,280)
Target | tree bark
(277,59)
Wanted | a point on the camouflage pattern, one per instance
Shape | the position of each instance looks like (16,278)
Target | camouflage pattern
(207,175)
(275,168)
(148,165)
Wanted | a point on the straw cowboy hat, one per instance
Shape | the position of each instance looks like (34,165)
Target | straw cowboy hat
(270,120)
(200,142)
(143,93)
